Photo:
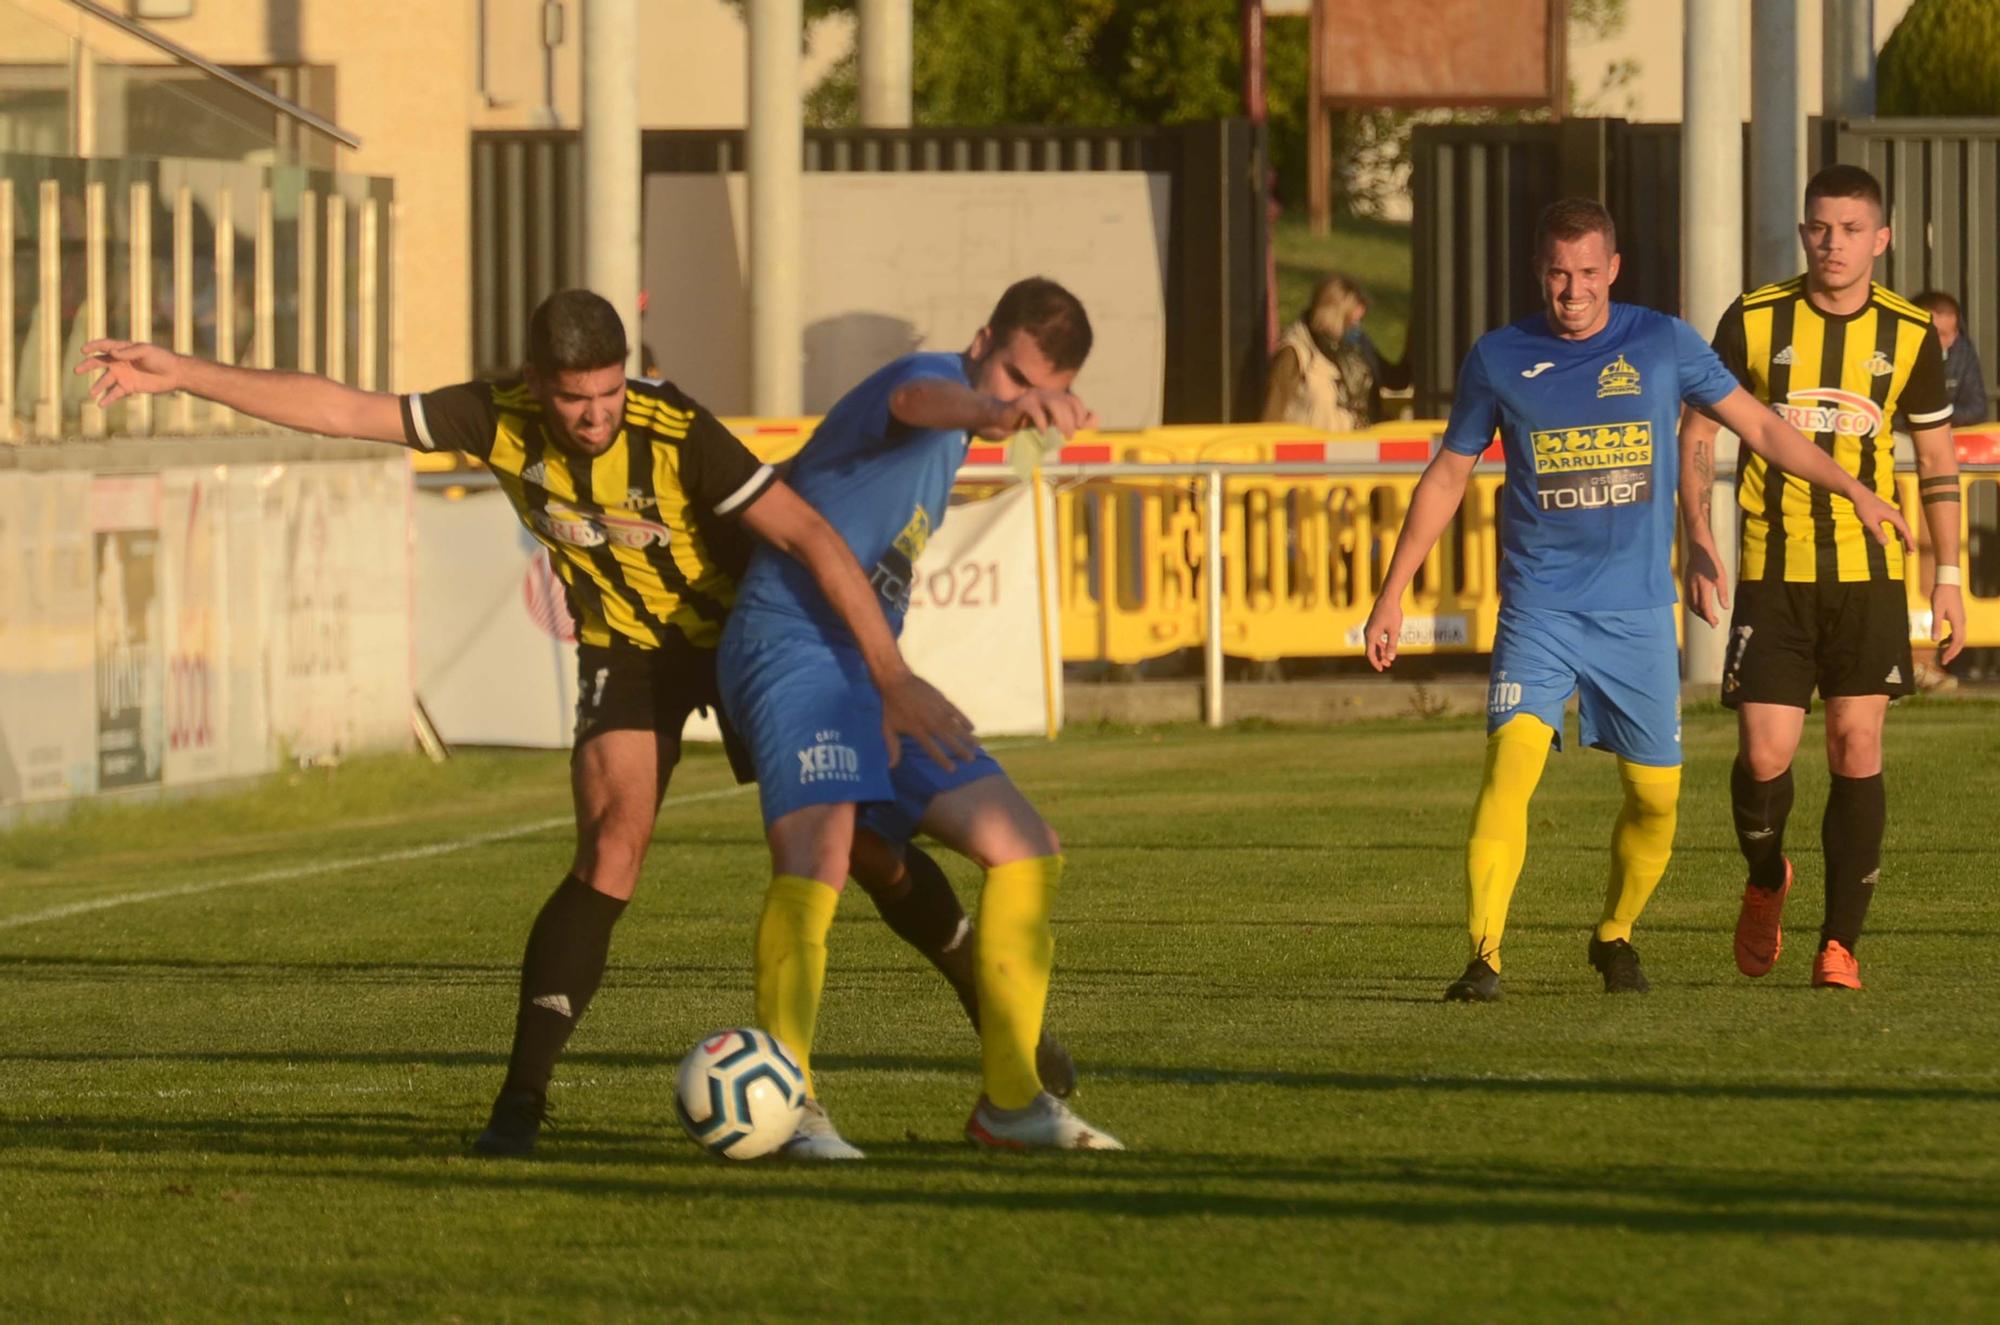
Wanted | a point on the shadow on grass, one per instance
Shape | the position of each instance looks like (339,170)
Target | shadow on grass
(917,1176)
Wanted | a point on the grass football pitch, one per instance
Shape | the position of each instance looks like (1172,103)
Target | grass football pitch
(246,1038)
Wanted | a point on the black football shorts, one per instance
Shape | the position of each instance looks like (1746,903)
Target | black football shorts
(1787,639)
(627,688)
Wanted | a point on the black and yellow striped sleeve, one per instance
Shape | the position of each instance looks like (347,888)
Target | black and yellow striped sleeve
(452,418)
(1925,402)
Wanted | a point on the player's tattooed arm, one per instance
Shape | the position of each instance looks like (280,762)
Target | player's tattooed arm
(1784,447)
(938,403)
(305,401)
(1938,491)
(1706,582)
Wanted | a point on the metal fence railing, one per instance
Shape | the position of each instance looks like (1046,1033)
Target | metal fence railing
(268,266)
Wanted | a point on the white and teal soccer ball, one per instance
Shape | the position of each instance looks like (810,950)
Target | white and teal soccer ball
(739,1094)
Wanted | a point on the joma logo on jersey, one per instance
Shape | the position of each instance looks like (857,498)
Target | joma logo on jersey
(1606,446)
(577,529)
(1824,409)
(829,761)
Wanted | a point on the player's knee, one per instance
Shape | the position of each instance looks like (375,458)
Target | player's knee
(1651,794)
(1854,754)
(875,865)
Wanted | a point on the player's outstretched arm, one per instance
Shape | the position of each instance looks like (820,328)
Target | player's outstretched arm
(305,401)
(1784,446)
(1706,582)
(938,403)
(911,706)
(1432,505)
(1938,490)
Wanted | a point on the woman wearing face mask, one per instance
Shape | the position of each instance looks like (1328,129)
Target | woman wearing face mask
(1327,373)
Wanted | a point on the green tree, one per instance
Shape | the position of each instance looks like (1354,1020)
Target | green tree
(1942,59)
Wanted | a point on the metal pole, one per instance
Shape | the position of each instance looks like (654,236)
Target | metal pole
(1256,109)
(1711,228)
(884,42)
(1211,575)
(1777,139)
(775,150)
(611,159)
(1848,48)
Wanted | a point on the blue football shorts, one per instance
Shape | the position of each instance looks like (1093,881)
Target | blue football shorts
(812,719)
(1624,668)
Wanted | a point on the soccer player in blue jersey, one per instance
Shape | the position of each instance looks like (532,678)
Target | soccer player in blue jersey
(880,469)
(1585,396)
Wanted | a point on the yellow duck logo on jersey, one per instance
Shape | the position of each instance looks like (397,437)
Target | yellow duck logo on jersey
(1619,378)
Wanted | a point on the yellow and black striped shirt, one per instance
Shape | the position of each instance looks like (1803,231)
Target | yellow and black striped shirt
(640,534)
(1839,380)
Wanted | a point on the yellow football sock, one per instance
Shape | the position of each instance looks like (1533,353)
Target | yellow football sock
(1516,753)
(1014,951)
(791,961)
(1640,845)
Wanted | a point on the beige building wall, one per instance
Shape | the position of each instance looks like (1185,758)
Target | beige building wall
(1651,41)
(408,83)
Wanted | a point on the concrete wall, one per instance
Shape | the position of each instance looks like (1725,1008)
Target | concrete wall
(900,262)
(164,625)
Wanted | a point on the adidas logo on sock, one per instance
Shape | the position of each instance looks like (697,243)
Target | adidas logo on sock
(558,1003)
(1759,834)
(1782,356)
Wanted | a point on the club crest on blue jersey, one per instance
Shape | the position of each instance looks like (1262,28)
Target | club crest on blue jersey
(1619,378)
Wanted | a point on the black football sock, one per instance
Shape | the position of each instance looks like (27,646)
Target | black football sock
(1851,834)
(560,972)
(926,914)
(1760,809)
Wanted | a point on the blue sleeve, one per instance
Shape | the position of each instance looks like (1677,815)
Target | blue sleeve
(909,368)
(1475,411)
(1704,378)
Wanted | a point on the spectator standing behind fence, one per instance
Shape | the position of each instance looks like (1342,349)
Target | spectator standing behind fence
(1964,377)
(1327,372)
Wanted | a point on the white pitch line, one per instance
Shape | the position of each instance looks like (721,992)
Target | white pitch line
(68,909)
(361,862)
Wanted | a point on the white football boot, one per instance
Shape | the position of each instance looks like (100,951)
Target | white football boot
(1045,1123)
(817,1137)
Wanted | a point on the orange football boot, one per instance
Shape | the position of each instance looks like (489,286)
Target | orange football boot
(1835,967)
(1759,939)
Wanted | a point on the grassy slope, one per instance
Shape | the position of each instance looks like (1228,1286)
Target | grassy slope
(250,1102)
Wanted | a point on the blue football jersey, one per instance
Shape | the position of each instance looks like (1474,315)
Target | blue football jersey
(1589,431)
(881,484)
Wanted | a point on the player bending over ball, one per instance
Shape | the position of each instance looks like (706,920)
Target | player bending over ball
(1585,395)
(880,468)
(641,498)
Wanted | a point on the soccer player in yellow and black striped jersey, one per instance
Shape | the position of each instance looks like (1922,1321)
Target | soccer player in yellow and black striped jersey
(1820,603)
(643,500)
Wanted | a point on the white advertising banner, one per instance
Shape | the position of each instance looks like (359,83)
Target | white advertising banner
(496,651)
(975,628)
(496,662)
(48,642)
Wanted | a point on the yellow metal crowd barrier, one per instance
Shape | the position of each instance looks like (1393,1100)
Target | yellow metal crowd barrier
(1303,553)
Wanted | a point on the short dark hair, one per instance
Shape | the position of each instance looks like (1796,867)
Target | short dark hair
(1052,317)
(1938,301)
(574,330)
(1844,181)
(1570,220)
